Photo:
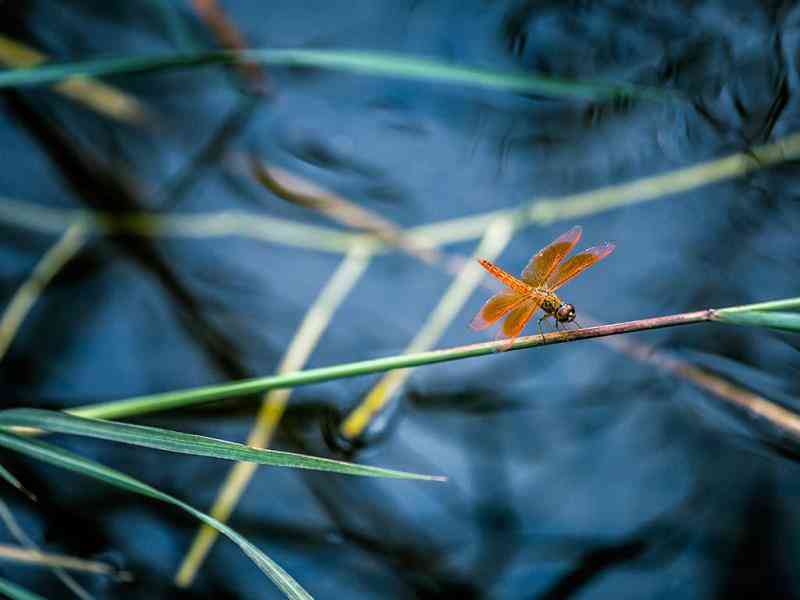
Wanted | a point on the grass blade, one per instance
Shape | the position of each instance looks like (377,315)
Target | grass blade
(67,460)
(96,95)
(786,304)
(64,250)
(186,443)
(29,552)
(773,314)
(784,321)
(15,592)
(365,63)
(9,477)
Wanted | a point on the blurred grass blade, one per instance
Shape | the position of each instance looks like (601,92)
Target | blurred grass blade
(366,63)
(31,556)
(51,73)
(229,36)
(15,592)
(6,474)
(548,210)
(64,250)
(186,443)
(785,321)
(542,211)
(62,458)
(94,94)
(410,67)
(29,552)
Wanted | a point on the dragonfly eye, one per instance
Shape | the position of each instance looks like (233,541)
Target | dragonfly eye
(565,313)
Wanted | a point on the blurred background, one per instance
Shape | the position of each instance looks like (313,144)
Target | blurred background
(180,224)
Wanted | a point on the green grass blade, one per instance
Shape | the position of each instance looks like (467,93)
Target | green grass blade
(15,592)
(784,321)
(67,460)
(7,475)
(51,73)
(365,63)
(785,304)
(410,67)
(186,443)
(775,314)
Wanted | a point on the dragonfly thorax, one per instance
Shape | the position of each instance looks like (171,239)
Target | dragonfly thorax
(553,305)
(550,303)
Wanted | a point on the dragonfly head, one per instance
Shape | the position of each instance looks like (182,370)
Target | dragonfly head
(565,313)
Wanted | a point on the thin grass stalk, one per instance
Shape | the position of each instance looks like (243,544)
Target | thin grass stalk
(219,224)
(33,554)
(543,211)
(755,406)
(170,400)
(46,269)
(356,62)
(47,560)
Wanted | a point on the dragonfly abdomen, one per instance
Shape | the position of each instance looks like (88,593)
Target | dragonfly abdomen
(506,278)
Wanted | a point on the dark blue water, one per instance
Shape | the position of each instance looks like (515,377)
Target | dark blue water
(574,470)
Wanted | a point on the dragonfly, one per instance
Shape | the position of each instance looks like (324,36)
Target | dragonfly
(536,287)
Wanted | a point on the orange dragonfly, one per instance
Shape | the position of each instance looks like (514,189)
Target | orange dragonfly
(536,289)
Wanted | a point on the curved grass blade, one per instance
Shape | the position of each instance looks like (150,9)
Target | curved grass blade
(15,592)
(67,460)
(365,63)
(187,443)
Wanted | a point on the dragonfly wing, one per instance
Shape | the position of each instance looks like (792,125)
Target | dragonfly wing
(517,319)
(545,261)
(495,308)
(577,264)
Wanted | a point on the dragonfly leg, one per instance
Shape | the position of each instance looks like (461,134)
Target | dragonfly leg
(539,325)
